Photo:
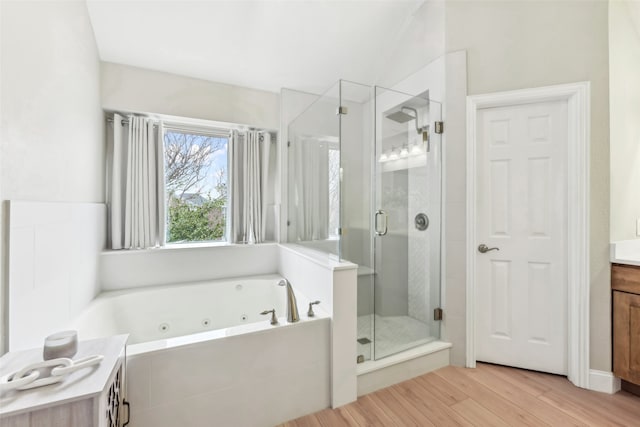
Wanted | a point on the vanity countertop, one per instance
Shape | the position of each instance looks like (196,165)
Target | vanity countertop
(77,385)
(626,252)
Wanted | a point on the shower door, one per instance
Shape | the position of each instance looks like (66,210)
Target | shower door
(406,221)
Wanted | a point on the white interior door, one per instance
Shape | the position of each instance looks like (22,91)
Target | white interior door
(521,287)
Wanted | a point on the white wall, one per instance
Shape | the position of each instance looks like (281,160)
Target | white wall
(523,44)
(126,88)
(421,41)
(624,96)
(51,145)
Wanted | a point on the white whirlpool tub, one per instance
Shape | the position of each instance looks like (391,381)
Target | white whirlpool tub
(200,354)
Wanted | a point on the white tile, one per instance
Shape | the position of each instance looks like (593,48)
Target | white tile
(35,315)
(22,252)
(137,377)
(344,385)
(301,392)
(313,280)
(89,238)
(53,248)
(218,364)
(52,261)
(122,270)
(393,334)
(188,371)
(218,408)
(402,371)
(249,399)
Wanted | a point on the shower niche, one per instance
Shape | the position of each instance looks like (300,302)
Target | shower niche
(364,185)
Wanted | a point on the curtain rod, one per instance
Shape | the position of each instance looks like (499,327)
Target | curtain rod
(190,127)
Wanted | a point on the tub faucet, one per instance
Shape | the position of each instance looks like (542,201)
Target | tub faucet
(292,305)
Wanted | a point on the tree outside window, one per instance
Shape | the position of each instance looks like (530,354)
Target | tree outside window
(196,186)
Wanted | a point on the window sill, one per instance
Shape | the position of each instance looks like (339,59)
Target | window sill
(171,246)
(181,246)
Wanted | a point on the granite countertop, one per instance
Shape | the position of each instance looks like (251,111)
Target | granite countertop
(626,252)
(80,384)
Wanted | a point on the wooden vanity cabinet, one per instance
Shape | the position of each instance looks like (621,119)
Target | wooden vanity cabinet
(625,284)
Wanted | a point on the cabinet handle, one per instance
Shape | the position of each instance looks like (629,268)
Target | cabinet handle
(125,403)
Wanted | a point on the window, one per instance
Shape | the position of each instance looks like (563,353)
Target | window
(334,191)
(196,178)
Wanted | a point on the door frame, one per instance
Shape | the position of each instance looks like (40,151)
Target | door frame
(577,96)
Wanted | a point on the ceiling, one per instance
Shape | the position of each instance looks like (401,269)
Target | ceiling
(268,44)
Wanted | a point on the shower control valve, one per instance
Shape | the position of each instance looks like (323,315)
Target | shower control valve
(310,313)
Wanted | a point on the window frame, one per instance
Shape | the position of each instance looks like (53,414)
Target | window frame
(206,131)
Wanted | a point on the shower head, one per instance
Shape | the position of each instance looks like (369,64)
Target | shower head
(402,117)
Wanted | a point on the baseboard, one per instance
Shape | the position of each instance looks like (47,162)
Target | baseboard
(603,381)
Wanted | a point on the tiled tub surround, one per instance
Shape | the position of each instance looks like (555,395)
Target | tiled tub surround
(200,352)
(53,264)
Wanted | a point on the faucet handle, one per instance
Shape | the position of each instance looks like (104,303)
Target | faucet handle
(310,313)
(274,319)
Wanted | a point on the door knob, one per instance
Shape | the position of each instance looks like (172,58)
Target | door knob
(483,248)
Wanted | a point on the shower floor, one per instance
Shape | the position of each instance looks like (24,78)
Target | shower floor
(393,335)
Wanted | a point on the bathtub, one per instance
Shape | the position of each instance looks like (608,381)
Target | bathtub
(201,353)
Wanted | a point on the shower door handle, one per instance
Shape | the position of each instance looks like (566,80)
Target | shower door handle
(383,214)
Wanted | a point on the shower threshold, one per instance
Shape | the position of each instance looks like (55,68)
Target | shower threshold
(403,356)
(376,374)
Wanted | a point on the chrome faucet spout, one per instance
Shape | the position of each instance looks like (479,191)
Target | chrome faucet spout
(292,304)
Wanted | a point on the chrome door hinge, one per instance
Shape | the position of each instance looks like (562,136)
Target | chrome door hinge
(437,314)
(439,127)
(288,143)
(342,110)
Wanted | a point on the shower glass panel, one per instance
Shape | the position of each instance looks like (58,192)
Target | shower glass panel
(314,175)
(356,137)
(406,221)
(364,184)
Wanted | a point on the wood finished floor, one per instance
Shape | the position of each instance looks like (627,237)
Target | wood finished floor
(489,395)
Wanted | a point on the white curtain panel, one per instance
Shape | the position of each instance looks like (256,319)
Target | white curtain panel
(311,189)
(136,194)
(249,152)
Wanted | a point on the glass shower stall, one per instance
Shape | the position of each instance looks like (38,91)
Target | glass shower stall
(364,185)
